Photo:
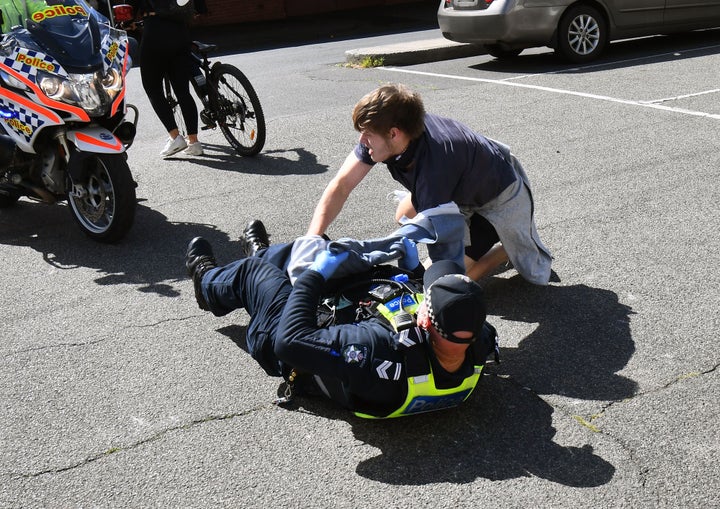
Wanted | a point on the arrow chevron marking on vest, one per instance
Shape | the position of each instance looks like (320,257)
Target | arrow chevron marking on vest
(385,367)
(406,340)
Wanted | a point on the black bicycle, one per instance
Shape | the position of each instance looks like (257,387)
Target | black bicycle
(231,103)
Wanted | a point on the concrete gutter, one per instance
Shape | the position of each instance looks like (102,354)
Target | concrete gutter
(417,52)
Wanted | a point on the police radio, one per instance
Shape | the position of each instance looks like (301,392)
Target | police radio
(396,304)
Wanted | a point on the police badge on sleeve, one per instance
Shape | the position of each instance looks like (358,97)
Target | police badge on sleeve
(355,354)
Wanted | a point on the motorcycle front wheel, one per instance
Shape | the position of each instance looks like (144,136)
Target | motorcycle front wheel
(103,204)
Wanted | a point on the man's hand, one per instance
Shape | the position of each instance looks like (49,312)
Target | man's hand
(411,259)
(326,263)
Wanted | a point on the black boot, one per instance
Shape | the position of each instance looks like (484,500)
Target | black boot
(254,238)
(199,259)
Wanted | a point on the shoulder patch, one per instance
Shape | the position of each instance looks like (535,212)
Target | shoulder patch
(355,354)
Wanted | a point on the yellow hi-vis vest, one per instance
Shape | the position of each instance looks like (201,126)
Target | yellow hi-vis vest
(423,396)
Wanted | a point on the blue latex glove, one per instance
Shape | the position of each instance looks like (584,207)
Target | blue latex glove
(327,262)
(411,259)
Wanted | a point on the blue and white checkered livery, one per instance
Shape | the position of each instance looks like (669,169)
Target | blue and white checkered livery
(29,62)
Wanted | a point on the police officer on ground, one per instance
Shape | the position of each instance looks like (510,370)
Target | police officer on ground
(373,363)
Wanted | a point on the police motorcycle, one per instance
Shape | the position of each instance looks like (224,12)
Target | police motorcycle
(63,126)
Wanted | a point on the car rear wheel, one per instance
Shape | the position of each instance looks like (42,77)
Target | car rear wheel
(582,34)
(498,51)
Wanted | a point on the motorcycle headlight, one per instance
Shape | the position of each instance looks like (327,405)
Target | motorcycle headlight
(84,90)
(57,88)
(112,82)
(53,87)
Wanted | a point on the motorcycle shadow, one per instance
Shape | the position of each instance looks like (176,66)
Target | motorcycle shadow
(152,256)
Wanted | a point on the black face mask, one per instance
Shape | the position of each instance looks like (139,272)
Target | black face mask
(405,160)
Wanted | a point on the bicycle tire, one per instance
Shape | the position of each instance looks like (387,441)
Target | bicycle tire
(237,109)
(174,106)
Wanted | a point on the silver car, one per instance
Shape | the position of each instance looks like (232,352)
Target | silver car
(577,30)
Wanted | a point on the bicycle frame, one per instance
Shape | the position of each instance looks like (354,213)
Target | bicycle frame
(204,65)
(229,101)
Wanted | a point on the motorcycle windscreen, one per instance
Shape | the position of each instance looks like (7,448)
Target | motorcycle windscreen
(70,32)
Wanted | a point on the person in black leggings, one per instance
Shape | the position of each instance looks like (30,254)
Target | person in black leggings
(165,50)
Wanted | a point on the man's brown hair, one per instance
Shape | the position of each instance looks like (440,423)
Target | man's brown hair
(389,106)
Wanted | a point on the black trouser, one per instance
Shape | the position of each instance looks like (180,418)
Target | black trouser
(165,50)
(260,285)
(482,237)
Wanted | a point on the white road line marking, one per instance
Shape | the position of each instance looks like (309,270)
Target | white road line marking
(615,63)
(559,91)
(681,96)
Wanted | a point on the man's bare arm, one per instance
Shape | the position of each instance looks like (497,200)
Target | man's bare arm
(336,193)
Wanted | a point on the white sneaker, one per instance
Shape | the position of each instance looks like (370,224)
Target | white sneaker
(194,149)
(173,146)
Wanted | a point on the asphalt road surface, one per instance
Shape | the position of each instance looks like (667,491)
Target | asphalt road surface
(117,391)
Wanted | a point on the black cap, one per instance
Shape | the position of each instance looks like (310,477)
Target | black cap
(454,301)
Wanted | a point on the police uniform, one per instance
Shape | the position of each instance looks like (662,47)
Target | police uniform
(365,365)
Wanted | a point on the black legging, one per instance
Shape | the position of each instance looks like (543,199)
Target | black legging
(165,50)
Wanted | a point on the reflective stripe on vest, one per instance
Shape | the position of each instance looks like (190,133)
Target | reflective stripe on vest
(409,303)
(423,396)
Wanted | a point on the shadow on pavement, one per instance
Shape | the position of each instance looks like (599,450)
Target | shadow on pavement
(618,55)
(152,256)
(581,339)
(505,431)
(332,26)
(290,161)
(153,251)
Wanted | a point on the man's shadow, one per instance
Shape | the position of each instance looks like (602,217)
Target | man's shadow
(505,430)
(502,432)
(582,338)
(279,162)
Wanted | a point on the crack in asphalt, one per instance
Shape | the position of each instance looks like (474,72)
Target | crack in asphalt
(642,471)
(157,436)
(50,347)
(675,381)
(94,341)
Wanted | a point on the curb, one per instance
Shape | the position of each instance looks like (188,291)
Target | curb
(417,52)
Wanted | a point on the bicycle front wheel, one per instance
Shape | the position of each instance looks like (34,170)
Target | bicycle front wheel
(237,110)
